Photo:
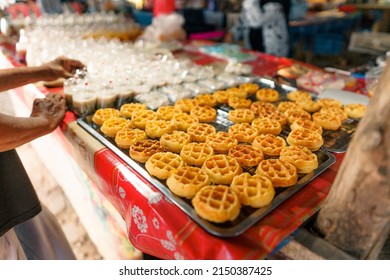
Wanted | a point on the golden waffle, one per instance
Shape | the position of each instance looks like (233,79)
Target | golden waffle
(222,96)
(296,114)
(127,137)
(298,95)
(309,106)
(326,120)
(186,181)
(267,95)
(217,204)
(301,157)
(127,110)
(221,169)
(305,138)
(161,165)
(267,126)
(281,173)
(157,128)
(185,105)
(199,131)
(246,155)
(249,88)
(142,117)
(239,103)
(269,144)
(111,126)
(355,111)
(174,142)
(196,153)
(241,116)
(221,142)
(206,100)
(307,124)
(262,108)
(286,105)
(103,114)
(340,113)
(281,118)
(243,132)
(167,112)
(183,121)
(329,102)
(255,191)
(237,92)
(143,150)
(204,113)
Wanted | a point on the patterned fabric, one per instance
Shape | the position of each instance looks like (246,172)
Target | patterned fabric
(269,21)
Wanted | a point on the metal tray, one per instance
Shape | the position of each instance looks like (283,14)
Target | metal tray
(247,217)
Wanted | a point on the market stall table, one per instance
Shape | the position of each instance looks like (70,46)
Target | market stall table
(154,224)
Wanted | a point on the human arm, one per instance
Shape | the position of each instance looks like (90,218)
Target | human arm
(47,113)
(61,67)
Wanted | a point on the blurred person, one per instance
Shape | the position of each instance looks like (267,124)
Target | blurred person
(263,26)
(50,6)
(28,229)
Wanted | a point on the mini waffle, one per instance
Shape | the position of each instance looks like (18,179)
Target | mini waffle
(355,111)
(267,95)
(262,108)
(246,155)
(296,114)
(243,132)
(267,126)
(217,204)
(298,95)
(237,92)
(157,128)
(161,165)
(255,191)
(221,142)
(142,117)
(269,144)
(183,121)
(241,116)
(196,153)
(281,173)
(127,137)
(174,142)
(239,103)
(280,117)
(326,120)
(111,126)
(249,88)
(286,105)
(185,105)
(199,131)
(221,169)
(206,100)
(204,113)
(340,113)
(103,114)
(330,102)
(143,150)
(222,96)
(307,124)
(167,112)
(305,138)
(186,181)
(301,157)
(309,106)
(127,110)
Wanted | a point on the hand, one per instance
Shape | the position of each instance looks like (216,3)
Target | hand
(61,67)
(52,109)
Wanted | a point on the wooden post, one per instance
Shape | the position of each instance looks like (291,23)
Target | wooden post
(356,214)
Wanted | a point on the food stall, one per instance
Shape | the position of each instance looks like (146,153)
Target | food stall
(121,203)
